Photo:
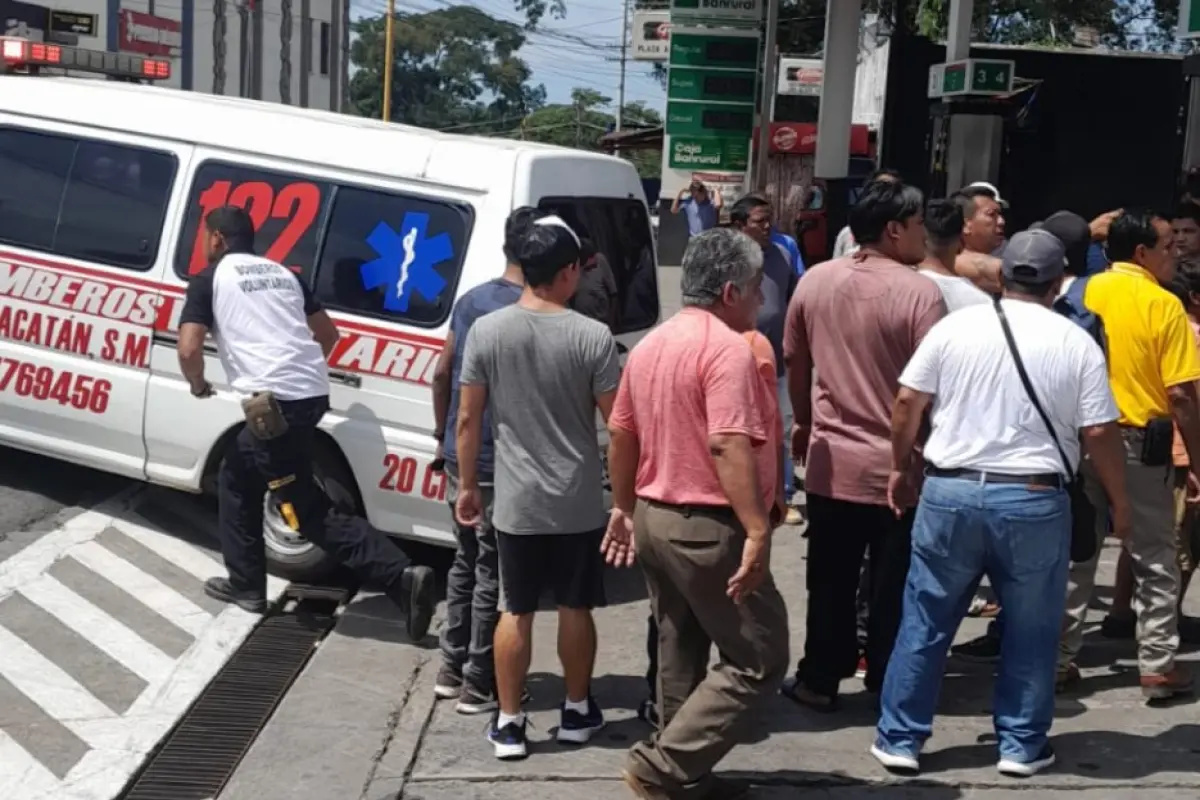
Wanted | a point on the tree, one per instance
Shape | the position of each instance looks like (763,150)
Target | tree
(1120,24)
(582,122)
(454,68)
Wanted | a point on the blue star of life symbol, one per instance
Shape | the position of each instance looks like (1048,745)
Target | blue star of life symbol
(406,261)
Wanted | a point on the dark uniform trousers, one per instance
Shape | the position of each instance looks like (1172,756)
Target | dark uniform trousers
(840,534)
(688,555)
(283,466)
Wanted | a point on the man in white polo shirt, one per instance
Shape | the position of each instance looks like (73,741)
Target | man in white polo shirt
(1013,387)
(273,338)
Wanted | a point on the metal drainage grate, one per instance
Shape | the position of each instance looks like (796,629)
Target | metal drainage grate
(200,754)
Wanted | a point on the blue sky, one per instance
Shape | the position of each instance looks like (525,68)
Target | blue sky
(583,49)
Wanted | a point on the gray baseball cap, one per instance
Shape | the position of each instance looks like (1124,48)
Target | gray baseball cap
(1034,256)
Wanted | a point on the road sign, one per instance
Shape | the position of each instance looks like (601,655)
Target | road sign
(718,12)
(1189,19)
(716,85)
(725,155)
(801,76)
(75,22)
(651,35)
(973,76)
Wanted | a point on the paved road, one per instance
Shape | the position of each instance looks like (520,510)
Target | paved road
(106,636)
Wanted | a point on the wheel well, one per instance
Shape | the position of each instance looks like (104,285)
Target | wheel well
(325,446)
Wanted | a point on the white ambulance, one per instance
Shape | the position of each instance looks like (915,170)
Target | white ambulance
(103,185)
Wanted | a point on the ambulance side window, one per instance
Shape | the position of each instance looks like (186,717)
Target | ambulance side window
(114,206)
(287,210)
(85,199)
(620,229)
(392,256)
(35,169)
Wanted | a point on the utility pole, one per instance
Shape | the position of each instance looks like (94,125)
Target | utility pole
(389,28)
(621,87)
(578,125)
(767,96)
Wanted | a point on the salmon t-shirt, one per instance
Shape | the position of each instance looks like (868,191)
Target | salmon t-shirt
(856,322)
(1179,451)
(691,378)
(764,360)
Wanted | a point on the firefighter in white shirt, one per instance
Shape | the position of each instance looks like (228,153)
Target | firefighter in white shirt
(273,339)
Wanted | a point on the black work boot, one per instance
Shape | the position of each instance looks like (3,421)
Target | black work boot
(248,600)
(414,593)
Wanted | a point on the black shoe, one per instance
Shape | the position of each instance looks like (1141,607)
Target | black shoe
(414,594)
(449,683)
(509,742)
(981,650)
(1119,626)
(473,700)
(221,589)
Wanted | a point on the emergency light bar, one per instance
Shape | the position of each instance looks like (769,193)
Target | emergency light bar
(25,56)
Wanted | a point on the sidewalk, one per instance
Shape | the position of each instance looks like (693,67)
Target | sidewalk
(361,722)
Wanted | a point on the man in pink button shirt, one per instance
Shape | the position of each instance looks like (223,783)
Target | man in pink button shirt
(693,447)
(855,322)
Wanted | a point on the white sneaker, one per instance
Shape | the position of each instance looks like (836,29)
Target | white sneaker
(896,762)
(1027,769)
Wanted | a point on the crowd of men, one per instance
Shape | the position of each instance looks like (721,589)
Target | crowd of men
(965,405)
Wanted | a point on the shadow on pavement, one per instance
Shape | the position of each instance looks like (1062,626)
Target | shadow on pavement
(1098,755)
(790,783)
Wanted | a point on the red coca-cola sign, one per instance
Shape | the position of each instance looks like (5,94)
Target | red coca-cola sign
(800,138)
(150,35)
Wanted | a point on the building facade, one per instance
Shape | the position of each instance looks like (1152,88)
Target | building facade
(282,51)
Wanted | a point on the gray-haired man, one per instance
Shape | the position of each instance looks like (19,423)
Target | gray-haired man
(694,444)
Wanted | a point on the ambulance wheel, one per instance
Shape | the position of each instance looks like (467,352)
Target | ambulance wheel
(290,555)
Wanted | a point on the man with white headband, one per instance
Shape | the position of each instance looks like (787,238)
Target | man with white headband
(541,370)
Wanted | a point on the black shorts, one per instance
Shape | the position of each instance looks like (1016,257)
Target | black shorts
(569,565)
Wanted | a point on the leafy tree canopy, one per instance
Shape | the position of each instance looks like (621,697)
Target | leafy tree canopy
(454,67)
(585,119)
(459,69)
(1121,24)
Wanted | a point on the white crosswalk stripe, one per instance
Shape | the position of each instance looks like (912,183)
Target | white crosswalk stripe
(99,656)
(136,654)
(159,597)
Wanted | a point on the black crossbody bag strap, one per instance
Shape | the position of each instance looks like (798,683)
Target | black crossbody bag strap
(1029,390)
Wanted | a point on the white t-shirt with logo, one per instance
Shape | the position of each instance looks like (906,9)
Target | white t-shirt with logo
(982,418)
(258,313)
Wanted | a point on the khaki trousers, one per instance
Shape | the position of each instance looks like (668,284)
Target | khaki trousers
(1154,551)
(688,555)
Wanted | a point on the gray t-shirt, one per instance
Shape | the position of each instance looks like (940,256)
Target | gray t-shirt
(543,372)
(957,292)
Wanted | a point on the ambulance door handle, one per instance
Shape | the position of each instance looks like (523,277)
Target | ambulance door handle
(353,381)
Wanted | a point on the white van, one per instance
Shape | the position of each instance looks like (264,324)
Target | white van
(103,186)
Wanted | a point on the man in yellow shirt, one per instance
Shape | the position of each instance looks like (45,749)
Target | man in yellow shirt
(1153,365)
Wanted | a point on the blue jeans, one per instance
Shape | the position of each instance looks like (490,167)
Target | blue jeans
(785,411)
(1020,538)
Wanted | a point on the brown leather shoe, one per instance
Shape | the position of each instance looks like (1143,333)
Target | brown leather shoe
(1163,687)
